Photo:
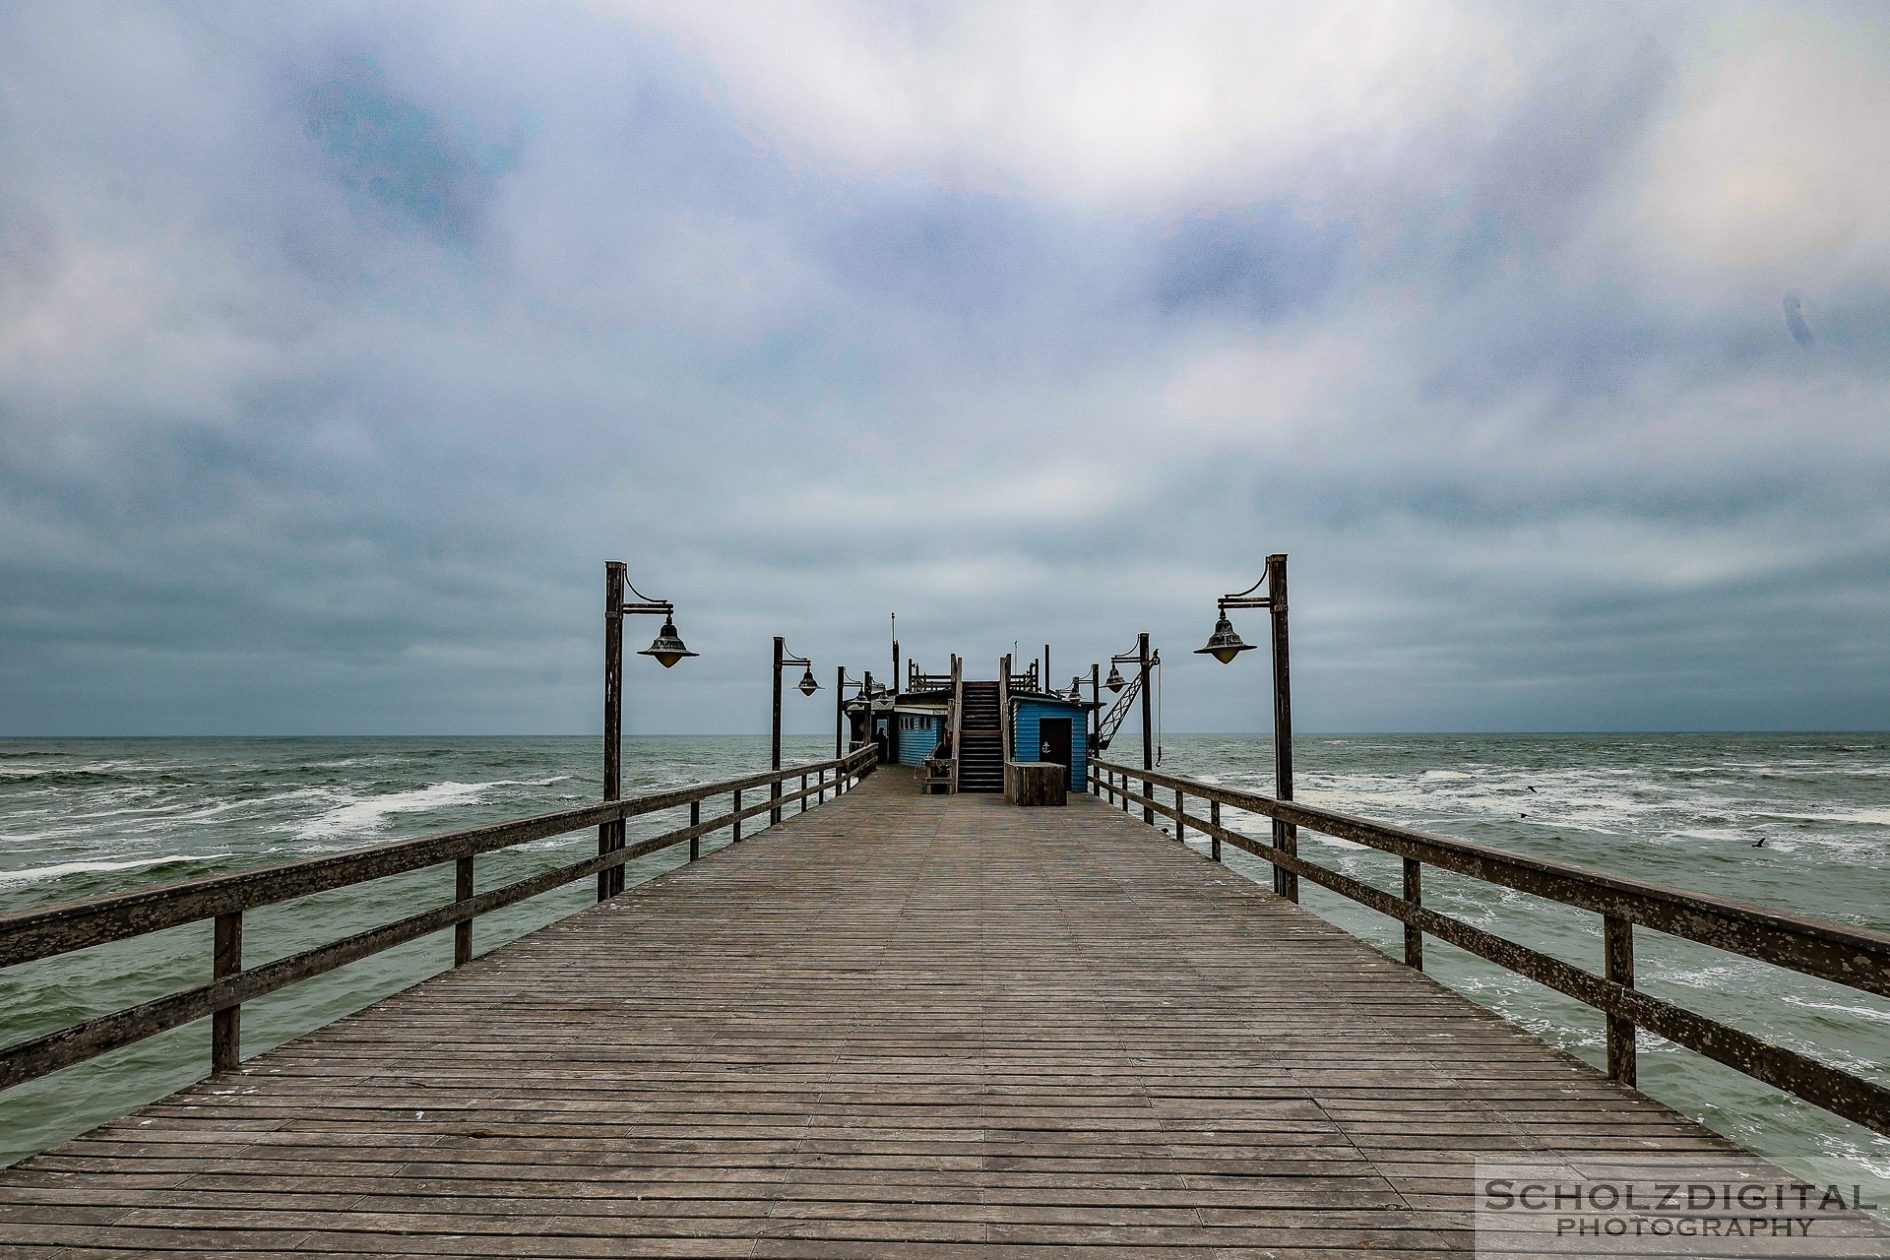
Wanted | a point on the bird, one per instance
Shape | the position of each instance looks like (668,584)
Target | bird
(1759,843)
(1532,787)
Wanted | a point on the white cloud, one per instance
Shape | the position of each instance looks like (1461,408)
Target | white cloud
(1133,105)
(1772,167)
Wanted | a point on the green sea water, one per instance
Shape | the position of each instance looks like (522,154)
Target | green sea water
(84,817)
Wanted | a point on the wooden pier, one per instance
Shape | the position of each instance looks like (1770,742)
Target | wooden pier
(892,1025)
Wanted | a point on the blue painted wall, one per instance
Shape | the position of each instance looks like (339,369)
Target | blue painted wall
(1024,735)
(918,736)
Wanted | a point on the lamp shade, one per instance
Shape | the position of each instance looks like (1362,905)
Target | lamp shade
(1115,681)
(667,647)
(808,685)
(1225,643)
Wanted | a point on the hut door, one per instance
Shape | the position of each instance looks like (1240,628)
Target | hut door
(1053,741)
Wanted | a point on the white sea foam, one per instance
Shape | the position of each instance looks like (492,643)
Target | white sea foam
(1874,1013)
(36,874)
(363,815)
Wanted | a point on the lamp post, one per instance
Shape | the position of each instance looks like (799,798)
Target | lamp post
(807,687)
(841,683)
(1095,721)
(1142,660)
(1224,645)
(667,648)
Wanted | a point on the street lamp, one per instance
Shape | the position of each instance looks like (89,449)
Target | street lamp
(807,688)
(667,648)
(840,684)
(1224,645)
(1141,659)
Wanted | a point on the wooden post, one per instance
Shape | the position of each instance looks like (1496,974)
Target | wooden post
(1214,816)
(803,794)
(1617,935)
(736,836)
(839,708)
(1414,893)
(226,1025)
(463,891)
(1148,729)
(774,762)
(1181,812)
(1285,835)
(1095,714)
(610,834)
(695,820)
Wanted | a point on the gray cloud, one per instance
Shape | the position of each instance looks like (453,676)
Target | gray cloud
(338,349)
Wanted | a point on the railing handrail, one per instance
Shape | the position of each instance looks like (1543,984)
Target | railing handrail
(27,935)
(1823,948)
(51,930)
(1858,957)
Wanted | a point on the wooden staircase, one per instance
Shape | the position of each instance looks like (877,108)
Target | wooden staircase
(981,740)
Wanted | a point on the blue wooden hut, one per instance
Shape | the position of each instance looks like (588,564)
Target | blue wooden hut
(1049,728)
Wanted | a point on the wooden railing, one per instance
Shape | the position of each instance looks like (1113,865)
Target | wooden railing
(1826,950)
(29,935)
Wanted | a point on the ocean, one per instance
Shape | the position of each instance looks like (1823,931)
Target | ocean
(84,817)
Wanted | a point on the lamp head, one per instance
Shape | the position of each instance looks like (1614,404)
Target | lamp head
(1115,681)
(667,647)
(808,685)
(1225,643)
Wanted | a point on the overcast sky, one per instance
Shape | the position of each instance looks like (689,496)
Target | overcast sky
(341,344)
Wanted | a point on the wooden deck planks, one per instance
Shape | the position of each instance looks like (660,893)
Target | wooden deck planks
(894,1025)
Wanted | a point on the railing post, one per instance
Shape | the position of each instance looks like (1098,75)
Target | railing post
(1617,935)
(1414,894)
(1214,816)
(1181,812)
(736,836)
(226,1025)
(695,820)
(462,891)
(803,794)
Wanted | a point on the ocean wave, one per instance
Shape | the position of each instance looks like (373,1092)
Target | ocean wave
(39,874)
(364,815)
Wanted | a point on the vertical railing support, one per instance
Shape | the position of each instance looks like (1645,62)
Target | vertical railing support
(1214,816)
(695,820)
(462,891)
(1617,936)
(803,794)
(1181,812)
(226,1025)
(736,835)
(1414,894)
